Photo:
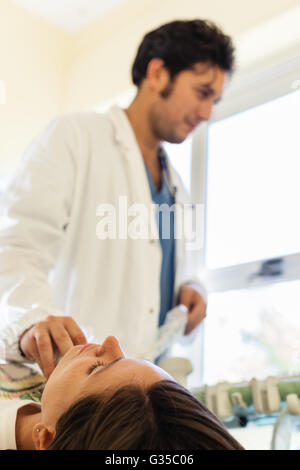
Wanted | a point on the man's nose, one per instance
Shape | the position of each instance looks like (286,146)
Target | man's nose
(205,110)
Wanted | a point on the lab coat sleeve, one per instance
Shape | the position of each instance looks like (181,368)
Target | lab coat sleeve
(34,213)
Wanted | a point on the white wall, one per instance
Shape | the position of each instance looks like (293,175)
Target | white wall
(49,71)
(104,51)
(33,61)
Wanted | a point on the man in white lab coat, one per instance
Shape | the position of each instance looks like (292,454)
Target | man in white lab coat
(60,272)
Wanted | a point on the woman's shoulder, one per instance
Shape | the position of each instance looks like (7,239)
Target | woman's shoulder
(8,411)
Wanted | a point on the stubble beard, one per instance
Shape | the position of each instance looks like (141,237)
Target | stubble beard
(162,129)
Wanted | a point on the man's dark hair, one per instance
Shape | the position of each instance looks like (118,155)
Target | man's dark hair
(164,416)
(182,44)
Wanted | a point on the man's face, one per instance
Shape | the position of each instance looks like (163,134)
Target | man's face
(186,101)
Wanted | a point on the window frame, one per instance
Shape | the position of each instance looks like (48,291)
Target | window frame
(251,87)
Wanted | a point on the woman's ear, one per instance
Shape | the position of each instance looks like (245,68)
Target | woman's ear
(42,436)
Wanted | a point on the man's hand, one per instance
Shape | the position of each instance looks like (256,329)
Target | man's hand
(61,332)
(189,295)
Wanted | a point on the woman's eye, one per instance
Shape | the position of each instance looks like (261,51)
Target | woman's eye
(94,366)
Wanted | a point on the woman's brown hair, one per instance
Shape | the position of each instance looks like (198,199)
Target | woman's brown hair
(164,416)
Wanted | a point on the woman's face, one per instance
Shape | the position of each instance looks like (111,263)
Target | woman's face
(91,369)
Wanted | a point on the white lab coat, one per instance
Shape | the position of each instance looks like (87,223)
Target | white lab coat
(51,261)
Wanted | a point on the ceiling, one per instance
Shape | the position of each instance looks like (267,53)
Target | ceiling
(74,15)
(70,15)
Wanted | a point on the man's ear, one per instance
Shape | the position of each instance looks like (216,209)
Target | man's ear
(42,436)
(157,75)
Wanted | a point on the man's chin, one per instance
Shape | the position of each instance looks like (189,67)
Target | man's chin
(176,139)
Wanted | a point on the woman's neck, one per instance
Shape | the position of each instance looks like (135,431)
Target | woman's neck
(27,417)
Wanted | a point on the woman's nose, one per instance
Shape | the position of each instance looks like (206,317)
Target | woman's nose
(111,346)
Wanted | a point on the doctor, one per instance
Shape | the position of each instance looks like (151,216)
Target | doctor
(58,275)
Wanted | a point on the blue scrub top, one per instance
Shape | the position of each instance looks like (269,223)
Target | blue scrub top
(166,231)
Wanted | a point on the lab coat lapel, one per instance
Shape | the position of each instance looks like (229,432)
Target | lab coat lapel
(125,138)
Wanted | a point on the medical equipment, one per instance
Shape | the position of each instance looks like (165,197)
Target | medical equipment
(178,367)
(256,398)
(168,333)
(286,431)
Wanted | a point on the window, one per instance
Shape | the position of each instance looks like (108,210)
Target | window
(180,156)
(246,164)
(253,189)
(259,329)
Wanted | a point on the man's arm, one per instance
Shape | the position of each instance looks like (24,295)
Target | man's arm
(34,211)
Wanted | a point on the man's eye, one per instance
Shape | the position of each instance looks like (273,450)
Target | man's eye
(203,93)
(94,366)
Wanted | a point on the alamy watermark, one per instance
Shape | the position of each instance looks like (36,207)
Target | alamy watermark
(141,222)
(2,92)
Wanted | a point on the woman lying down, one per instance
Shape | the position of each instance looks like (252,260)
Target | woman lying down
(97,399)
